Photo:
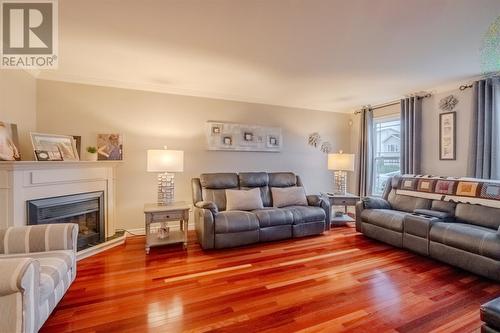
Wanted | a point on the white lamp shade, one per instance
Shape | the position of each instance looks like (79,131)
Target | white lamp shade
(163,160)
(341,162)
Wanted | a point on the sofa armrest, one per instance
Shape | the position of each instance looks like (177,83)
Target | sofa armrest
(375,203)
(19,295)
(208,205)
(205,227)
(15,271)
(314,200)
(40,238)
(322,201)
(359,209)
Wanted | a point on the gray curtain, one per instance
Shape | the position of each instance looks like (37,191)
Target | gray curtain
(365,153)
(411,135)
(484,161)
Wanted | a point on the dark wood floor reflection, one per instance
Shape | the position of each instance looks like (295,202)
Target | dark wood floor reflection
(341,281)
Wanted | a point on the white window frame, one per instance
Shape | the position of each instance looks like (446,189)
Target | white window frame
(378,120)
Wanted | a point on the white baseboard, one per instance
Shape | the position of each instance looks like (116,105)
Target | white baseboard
(100,248)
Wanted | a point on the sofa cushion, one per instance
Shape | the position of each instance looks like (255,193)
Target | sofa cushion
(270,217)
(235,221)
(375,203)
(243,199)
(468,237)
(249,180)
(282,179)
(217,196)
(407,203)
(479,215)
(219,180)
(289,196)
(385,218)
(444,206)
(253,179)
(305,214)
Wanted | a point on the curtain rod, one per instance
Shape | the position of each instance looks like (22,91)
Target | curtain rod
(384,105)
(485,76)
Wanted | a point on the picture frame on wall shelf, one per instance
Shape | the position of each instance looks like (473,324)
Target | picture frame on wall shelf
(447,136)
(53,144)
(9,142)
(110,147)
(44,155)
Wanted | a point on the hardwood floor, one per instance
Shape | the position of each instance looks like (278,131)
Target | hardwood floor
(339,282)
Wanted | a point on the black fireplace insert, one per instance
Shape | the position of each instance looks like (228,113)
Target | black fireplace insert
(85,209)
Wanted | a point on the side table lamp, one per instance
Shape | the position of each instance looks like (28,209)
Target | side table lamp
(340,163)
(165,162)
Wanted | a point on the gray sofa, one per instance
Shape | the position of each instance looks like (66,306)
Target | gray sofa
(459,233)
(217,228)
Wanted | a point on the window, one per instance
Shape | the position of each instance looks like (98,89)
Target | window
(386,152)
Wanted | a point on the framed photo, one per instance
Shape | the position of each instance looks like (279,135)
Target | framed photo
(227,140)
(447,136)
(9,142)
(78,143)
(216,129)
(44,155)
(272,141)
(248,136)
(109,147)
(53,144)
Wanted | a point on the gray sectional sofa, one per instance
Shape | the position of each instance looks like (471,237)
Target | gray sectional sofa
(217,228)
(443,222)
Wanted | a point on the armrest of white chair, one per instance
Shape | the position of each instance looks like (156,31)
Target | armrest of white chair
(19,295)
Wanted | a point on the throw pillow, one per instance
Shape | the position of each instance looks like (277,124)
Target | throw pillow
(288,196)
(243,199)
(375,203)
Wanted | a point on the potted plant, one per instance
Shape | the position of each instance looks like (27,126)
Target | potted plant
(91,153)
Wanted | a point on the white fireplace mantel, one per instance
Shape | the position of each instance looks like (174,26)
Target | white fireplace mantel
(30,180)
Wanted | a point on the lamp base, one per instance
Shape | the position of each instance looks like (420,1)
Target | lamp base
(340,179)
(166,188)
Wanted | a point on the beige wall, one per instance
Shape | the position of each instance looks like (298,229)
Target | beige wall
(151,120)
(18,105)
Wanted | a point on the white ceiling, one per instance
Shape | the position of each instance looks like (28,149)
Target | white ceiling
(317,54)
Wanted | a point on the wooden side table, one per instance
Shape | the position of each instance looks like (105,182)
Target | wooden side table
(342,200)
(176,212)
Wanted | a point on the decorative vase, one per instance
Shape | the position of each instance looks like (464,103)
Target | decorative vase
(91,157)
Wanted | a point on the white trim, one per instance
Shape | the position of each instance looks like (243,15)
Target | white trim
(100,248)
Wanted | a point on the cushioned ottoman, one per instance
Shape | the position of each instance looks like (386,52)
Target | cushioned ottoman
(490,314)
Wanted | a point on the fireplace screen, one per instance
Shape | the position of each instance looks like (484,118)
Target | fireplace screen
(86,210)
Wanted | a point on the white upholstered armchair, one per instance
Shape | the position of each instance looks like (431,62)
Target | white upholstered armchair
(37,266)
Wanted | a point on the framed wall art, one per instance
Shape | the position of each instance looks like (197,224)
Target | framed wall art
(52,145)
(447,136)
(242,137)
(110,147)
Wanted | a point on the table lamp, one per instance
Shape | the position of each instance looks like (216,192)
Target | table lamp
(165,162)
(340,163)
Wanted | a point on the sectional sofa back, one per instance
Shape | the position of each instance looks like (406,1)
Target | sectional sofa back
(213,186)
(403,202)
(471,201)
